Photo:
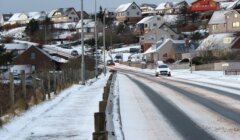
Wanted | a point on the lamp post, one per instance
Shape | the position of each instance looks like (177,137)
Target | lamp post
(96,61)
(104,43)
(82,43)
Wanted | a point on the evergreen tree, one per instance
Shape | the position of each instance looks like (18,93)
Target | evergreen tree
(32,27)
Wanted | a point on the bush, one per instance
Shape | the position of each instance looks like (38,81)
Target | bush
(170,61)
(197,60)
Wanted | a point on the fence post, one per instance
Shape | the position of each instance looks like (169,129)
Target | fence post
(11,90)
(34,79)
(49,85)
(23,81)
(55,82)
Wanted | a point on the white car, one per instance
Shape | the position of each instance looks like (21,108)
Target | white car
(163,69)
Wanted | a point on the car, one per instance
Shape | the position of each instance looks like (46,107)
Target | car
(74,53)
(110,63)
(162,69)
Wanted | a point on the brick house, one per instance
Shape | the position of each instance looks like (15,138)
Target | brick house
(36,60)
(129,12)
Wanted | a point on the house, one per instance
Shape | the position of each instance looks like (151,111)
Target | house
(151,37)
(148,9)
(165,8)
(37,60)
(63,15)
(85,15)
(150,22)
(204,5)
(4,18)
(18,18)
(130,13)
(221,42)
(180,7)
(217,23)
(232,21)
(89,27)
(38,16)
(224,21)
(164,49)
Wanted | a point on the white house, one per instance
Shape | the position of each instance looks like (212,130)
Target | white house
(18,18)
(64,15)
(89,27)
(129,12)
(148,9)
(150,22)
(152,36)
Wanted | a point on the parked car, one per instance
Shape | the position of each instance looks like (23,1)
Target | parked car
(162,69)
(74,53)
(110,63)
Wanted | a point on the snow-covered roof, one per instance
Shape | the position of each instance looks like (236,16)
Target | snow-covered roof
(232,5)
(123,7)
(157,46)
(37,15)
(125,48)
(86,23)
(224,5)
(161,6)
(162,43)
(218,41)
(16,16)
(170,19)
(55,58)
(15,46)
(218,17)
(146,19)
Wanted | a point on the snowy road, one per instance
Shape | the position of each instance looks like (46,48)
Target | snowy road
(70,116)
(177,108)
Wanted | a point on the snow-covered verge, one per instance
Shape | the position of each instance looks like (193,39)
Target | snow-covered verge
(16,32)
(68,116)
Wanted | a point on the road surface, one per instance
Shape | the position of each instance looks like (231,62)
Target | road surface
(168,108)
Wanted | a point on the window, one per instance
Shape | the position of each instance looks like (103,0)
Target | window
(145,25)
(214,27)
(158,18)
(154,24)
(33,55)
(57,14)
(70,17)
(235,15)
(133,7)
(128,13)
(236,24)
(227,40)
(33,68)
(138,13)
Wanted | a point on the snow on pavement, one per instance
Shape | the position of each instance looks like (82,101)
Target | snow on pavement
(68,116)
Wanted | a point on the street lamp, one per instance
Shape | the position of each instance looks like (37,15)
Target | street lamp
(82,43)
(104,43)
(96,61)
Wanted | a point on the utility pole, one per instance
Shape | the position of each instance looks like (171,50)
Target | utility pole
(104,44)
(82,43)
(96,38)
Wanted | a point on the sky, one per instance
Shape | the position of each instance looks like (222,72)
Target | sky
(14,6)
